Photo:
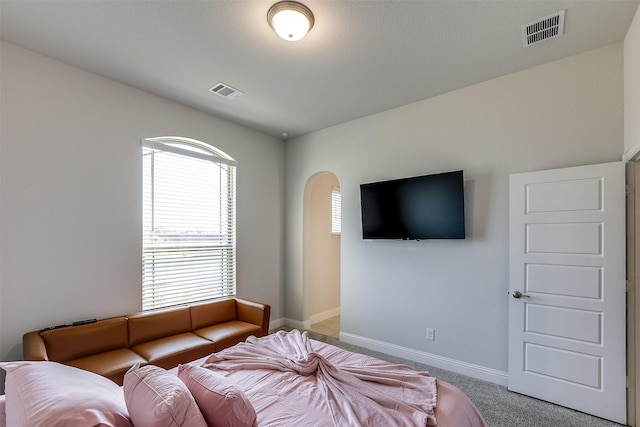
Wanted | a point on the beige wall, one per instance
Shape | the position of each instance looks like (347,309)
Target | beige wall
(322,250)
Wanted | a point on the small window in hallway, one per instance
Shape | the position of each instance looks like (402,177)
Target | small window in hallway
(336,208)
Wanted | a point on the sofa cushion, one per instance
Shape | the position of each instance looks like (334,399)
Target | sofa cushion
(229,333)
(74,342)
(170,351)
(213,312)
(150,325)
(111,364)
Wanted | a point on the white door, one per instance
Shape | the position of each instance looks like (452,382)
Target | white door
(567,288)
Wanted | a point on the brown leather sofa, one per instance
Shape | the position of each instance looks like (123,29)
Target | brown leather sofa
(165,338)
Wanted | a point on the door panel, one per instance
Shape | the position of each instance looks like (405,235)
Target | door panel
(582,195)
(581,325)
(577,238)
(567,259)
(563,365)
(576,281)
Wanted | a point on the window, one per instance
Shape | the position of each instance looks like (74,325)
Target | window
(189,243)
(336,221)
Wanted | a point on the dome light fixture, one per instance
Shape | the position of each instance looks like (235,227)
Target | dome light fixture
(290,20)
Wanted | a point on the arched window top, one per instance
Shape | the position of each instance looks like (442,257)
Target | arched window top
(189,147)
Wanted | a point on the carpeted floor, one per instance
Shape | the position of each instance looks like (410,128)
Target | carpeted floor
(499,407)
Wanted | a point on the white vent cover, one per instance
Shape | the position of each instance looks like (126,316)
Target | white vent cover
(226,91)
(543,29)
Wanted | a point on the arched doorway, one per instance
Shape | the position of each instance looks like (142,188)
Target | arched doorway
(321,256)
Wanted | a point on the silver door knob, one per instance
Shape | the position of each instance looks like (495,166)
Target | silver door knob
(518,294)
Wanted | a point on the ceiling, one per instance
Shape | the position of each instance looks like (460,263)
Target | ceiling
(360,58)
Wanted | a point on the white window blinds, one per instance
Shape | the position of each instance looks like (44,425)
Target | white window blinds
(336,208)
(189,242)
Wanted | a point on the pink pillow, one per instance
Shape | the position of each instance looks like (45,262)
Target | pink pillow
(156,398)
(221,403)
(51,394)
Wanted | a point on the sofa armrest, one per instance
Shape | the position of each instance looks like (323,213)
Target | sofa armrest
(33,347)
(255,313)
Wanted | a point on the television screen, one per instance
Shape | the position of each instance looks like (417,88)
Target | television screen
(423,207)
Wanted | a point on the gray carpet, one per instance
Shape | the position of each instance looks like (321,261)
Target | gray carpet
(499,407)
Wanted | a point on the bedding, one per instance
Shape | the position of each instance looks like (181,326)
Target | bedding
(288,379)
(3,415)
(353,392)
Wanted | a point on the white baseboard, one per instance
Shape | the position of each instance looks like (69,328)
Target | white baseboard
(315,318)
(463,368)
(275,324)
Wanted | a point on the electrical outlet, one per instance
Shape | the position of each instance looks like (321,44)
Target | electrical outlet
(431,334)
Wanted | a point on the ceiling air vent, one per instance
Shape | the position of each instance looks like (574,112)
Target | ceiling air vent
(543,29)
(226,91)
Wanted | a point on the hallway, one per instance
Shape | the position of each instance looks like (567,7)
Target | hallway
(329,327)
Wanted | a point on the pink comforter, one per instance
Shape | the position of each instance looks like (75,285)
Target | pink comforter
(355,395)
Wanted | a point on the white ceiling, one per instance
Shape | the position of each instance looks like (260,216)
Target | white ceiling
(360,58)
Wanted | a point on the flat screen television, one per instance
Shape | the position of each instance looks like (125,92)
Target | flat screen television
(422,207)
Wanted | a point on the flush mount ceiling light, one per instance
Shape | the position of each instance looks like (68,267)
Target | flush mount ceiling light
(290,20)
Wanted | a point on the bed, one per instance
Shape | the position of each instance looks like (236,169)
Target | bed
(280,380)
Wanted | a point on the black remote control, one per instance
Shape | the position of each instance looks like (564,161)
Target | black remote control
(76,323)
(84,322)
(50,328)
